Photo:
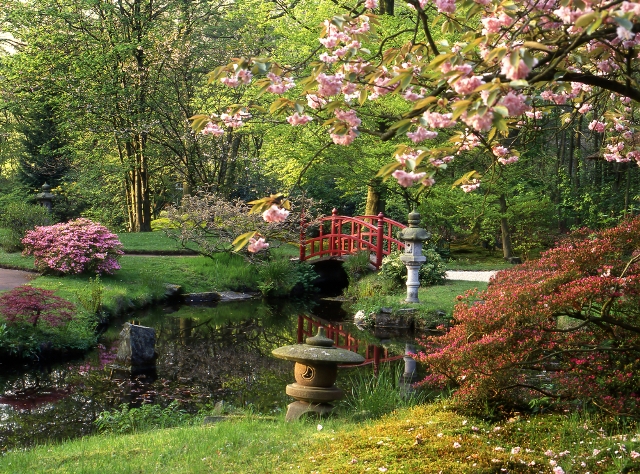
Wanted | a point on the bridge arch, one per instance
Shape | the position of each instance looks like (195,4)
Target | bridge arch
(349,235)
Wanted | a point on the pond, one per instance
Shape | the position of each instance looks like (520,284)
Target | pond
(205,355)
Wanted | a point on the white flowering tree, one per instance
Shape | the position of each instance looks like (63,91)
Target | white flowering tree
(476,72)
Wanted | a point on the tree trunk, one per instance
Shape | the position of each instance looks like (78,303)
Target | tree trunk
(387,7)
(374,204)
(507,250)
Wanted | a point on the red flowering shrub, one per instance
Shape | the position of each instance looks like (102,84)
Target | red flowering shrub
(564,328)
(27,305)
(78,246)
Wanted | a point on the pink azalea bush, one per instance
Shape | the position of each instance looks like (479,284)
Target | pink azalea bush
(564,328)
(78,246)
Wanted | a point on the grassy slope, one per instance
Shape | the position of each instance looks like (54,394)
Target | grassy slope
(426,439)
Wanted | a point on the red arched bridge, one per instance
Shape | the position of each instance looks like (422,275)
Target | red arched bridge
(343,235)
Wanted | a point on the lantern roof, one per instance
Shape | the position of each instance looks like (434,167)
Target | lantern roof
(318,349)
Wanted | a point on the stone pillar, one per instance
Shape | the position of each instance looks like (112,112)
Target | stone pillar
(45,198)
(412,257)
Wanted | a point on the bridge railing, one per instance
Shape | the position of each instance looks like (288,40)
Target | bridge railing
(308,326)
(348,235)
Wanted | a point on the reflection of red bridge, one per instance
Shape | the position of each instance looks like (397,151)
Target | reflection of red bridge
(349,235)
(308,326)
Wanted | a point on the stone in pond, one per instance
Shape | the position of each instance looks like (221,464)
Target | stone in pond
(137,350)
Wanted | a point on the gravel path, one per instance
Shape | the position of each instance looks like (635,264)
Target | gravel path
(12,278)
(470,276)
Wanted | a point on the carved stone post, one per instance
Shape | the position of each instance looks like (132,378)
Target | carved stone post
(413,237)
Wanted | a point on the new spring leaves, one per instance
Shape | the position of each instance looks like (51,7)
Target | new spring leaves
(527,60)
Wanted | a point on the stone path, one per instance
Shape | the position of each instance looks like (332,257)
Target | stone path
(12,278)
(470,275)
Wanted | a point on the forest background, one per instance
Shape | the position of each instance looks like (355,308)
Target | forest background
(95,100)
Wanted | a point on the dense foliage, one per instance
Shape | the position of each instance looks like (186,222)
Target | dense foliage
(78,246)
(432,271)
(18,218)
(564,328)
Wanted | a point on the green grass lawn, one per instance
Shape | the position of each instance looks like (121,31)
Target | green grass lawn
(142,279)
(428,438)
(152,242)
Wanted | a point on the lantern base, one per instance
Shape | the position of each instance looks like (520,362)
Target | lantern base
(297,409)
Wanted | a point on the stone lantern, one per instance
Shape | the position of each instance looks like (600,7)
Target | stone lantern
(46,197)
(413,237)
(315,371)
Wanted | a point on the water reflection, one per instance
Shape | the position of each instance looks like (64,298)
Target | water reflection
(205,355)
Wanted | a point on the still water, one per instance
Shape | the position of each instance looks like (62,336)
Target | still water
(205,355)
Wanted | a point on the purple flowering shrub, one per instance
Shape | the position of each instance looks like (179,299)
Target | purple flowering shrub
(78,246)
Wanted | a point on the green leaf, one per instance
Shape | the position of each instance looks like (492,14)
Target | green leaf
(439,60)
(519,83)
(501,110)
(424,102)
(624,22)
(387,170)
(243,240)
(536,45)
(466,178)
(400,124)
(198,122)
(586,19)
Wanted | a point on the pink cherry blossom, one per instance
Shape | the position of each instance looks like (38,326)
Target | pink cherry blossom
(279,85)
(514,73)
(297,119)
(437,120)
(371,4)
(275,214)
(472,186)
(348,116)
(515,104)
(315,102)
(508,161)
(597,126)
(257,245)
(329,85)
(230,81)
(428,182)
(445,6)
(344,140)
(407,179)
(213,129)
(466,85)
(479,122)
(500,151)
(421,134)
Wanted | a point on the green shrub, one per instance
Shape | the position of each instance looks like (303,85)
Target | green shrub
(432,272)
(145,418)
(18,218)
(357,265)
(90,297)
(372,396)
(305,278)
(276,278)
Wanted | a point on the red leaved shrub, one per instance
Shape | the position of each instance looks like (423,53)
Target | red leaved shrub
(563,329)
(27,305)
